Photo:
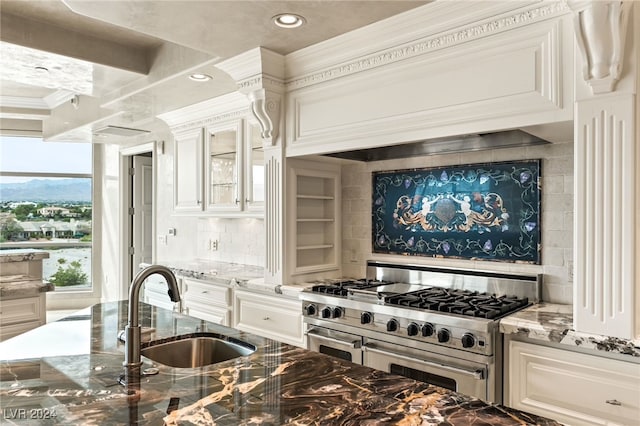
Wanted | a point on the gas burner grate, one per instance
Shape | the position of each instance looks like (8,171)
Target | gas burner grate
(342,287)
(462,302)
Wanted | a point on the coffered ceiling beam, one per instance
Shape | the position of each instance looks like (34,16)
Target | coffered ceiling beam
(39,35)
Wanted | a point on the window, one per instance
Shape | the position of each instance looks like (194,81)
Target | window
(46,204)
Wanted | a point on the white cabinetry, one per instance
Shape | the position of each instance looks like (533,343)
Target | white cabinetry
(219,169)
(156,293)
(207,300)
(314,206)
(572,387)
(274,317)
(20,315)
(187,171)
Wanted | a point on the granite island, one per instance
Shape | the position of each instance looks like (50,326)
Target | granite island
(67,372)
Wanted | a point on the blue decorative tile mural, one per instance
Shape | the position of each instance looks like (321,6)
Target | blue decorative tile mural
(478,211)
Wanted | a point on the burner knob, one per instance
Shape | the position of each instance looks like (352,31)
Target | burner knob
(427,330)
(413,329)
(337,312)
(468,340)
(392,325)
(326,312)
(366,318)
(311,309)
(443,335)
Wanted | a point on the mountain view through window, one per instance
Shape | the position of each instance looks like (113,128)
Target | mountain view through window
(46,204)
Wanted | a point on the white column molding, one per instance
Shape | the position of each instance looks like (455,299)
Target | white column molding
(274,162)
(607,173)
(605,219)
(600,28)
(259,74)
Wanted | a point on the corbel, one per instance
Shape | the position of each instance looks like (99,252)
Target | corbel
(600,28)
(265,106)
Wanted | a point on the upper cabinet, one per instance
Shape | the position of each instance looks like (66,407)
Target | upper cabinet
(223,166)
(218,159)
(187,176)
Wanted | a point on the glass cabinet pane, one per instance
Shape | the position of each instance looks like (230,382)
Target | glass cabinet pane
(223,168)
(256,163)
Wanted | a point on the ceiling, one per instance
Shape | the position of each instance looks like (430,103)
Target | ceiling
(70,67)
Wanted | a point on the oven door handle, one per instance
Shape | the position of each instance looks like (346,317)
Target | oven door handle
(354,344)
(476,374)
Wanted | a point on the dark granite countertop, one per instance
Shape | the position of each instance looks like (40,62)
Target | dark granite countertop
(553,323)
(66,372)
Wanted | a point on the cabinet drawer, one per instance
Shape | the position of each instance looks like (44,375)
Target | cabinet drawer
(573,387)
(13,311)
(205,292)
(208,313)
(273,317)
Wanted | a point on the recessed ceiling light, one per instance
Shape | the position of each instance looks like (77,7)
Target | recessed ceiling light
(288,20)
(200,77)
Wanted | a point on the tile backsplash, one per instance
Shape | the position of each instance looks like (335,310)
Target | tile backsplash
(556,221)
(231,240)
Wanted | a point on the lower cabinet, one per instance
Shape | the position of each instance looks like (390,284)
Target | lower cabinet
(21,314)
(275,317)
(572,387)
(155,292)
(207,300)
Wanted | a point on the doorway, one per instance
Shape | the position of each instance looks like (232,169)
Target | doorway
(138,212)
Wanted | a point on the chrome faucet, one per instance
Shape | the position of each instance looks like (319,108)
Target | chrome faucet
(133,329)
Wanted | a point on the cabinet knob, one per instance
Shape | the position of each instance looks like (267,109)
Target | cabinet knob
(613,402)
(265,319)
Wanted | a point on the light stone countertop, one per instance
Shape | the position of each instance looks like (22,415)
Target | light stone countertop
(554,323)
(22,255)
(241,276)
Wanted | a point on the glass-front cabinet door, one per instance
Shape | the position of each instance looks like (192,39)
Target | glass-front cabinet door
(223,152)
(255,189)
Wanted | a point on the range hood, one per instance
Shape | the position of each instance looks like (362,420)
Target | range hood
(464,143)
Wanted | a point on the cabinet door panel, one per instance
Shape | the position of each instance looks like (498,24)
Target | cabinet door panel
(187,185)
(223,177)
(573,387)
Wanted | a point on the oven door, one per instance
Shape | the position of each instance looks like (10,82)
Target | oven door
(466,377)
(335,343)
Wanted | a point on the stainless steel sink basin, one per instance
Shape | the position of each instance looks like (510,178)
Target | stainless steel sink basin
(196,350)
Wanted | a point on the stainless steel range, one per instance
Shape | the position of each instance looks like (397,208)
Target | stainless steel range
(435,325)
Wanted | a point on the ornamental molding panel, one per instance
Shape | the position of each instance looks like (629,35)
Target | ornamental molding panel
(211,120)
(433,43)
(600,28)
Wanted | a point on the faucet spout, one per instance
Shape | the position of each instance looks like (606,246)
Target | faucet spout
(133,329)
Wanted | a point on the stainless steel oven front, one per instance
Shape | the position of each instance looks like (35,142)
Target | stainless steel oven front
(341,345)
(447,371)
(470,374)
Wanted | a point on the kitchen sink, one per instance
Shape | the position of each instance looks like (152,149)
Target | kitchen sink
(196,350)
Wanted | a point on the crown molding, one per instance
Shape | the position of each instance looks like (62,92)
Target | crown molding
(206,112)
(539,11)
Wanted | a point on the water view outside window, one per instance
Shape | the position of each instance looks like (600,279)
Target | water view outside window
(46,204)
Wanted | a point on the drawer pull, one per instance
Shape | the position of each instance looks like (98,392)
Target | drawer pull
(266,319)
(613,402)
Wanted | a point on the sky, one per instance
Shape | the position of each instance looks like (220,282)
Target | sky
(33,155)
